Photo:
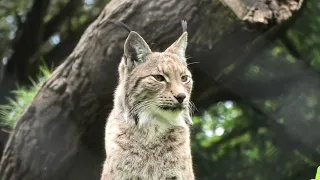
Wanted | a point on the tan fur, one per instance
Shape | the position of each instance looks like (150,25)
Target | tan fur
(143,141)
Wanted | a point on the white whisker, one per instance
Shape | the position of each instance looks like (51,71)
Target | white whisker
(192,63)
(192,107)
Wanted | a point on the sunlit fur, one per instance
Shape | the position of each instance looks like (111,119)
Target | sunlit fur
(143,140)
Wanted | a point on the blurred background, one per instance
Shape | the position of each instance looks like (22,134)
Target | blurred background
(263,124)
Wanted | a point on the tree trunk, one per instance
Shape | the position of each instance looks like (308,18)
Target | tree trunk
(60,134)
(3,138)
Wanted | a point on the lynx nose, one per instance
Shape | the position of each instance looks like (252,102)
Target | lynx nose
(180,97)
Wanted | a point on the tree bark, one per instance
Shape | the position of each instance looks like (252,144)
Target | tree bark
(3,137)
(60,134)
(264,11)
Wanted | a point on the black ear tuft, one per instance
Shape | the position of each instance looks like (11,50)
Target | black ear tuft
(184,25)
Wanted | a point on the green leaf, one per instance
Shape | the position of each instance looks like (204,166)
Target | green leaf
(318,174)
(11,112)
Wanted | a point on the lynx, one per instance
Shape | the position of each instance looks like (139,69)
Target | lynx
(147,132)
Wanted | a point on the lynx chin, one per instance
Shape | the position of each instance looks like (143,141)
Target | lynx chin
(147,132)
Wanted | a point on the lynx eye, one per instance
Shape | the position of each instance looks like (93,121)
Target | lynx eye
(185,78)
(159,78)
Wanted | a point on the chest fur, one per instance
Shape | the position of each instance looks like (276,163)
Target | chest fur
(148,153)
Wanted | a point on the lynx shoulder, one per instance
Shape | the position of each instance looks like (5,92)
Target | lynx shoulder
(147,132)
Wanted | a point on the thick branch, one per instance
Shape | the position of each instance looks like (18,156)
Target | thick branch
(237,90)
(264,11)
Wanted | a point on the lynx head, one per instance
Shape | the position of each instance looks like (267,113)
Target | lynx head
(156,84)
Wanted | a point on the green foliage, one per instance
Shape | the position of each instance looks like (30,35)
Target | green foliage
(10,113)
(318,174)
(13,15)
(8,22)
(232,142)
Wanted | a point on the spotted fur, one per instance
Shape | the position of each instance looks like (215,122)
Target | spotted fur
(147,132)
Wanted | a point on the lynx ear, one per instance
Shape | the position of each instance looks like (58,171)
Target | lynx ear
(179,46)
(135,49)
